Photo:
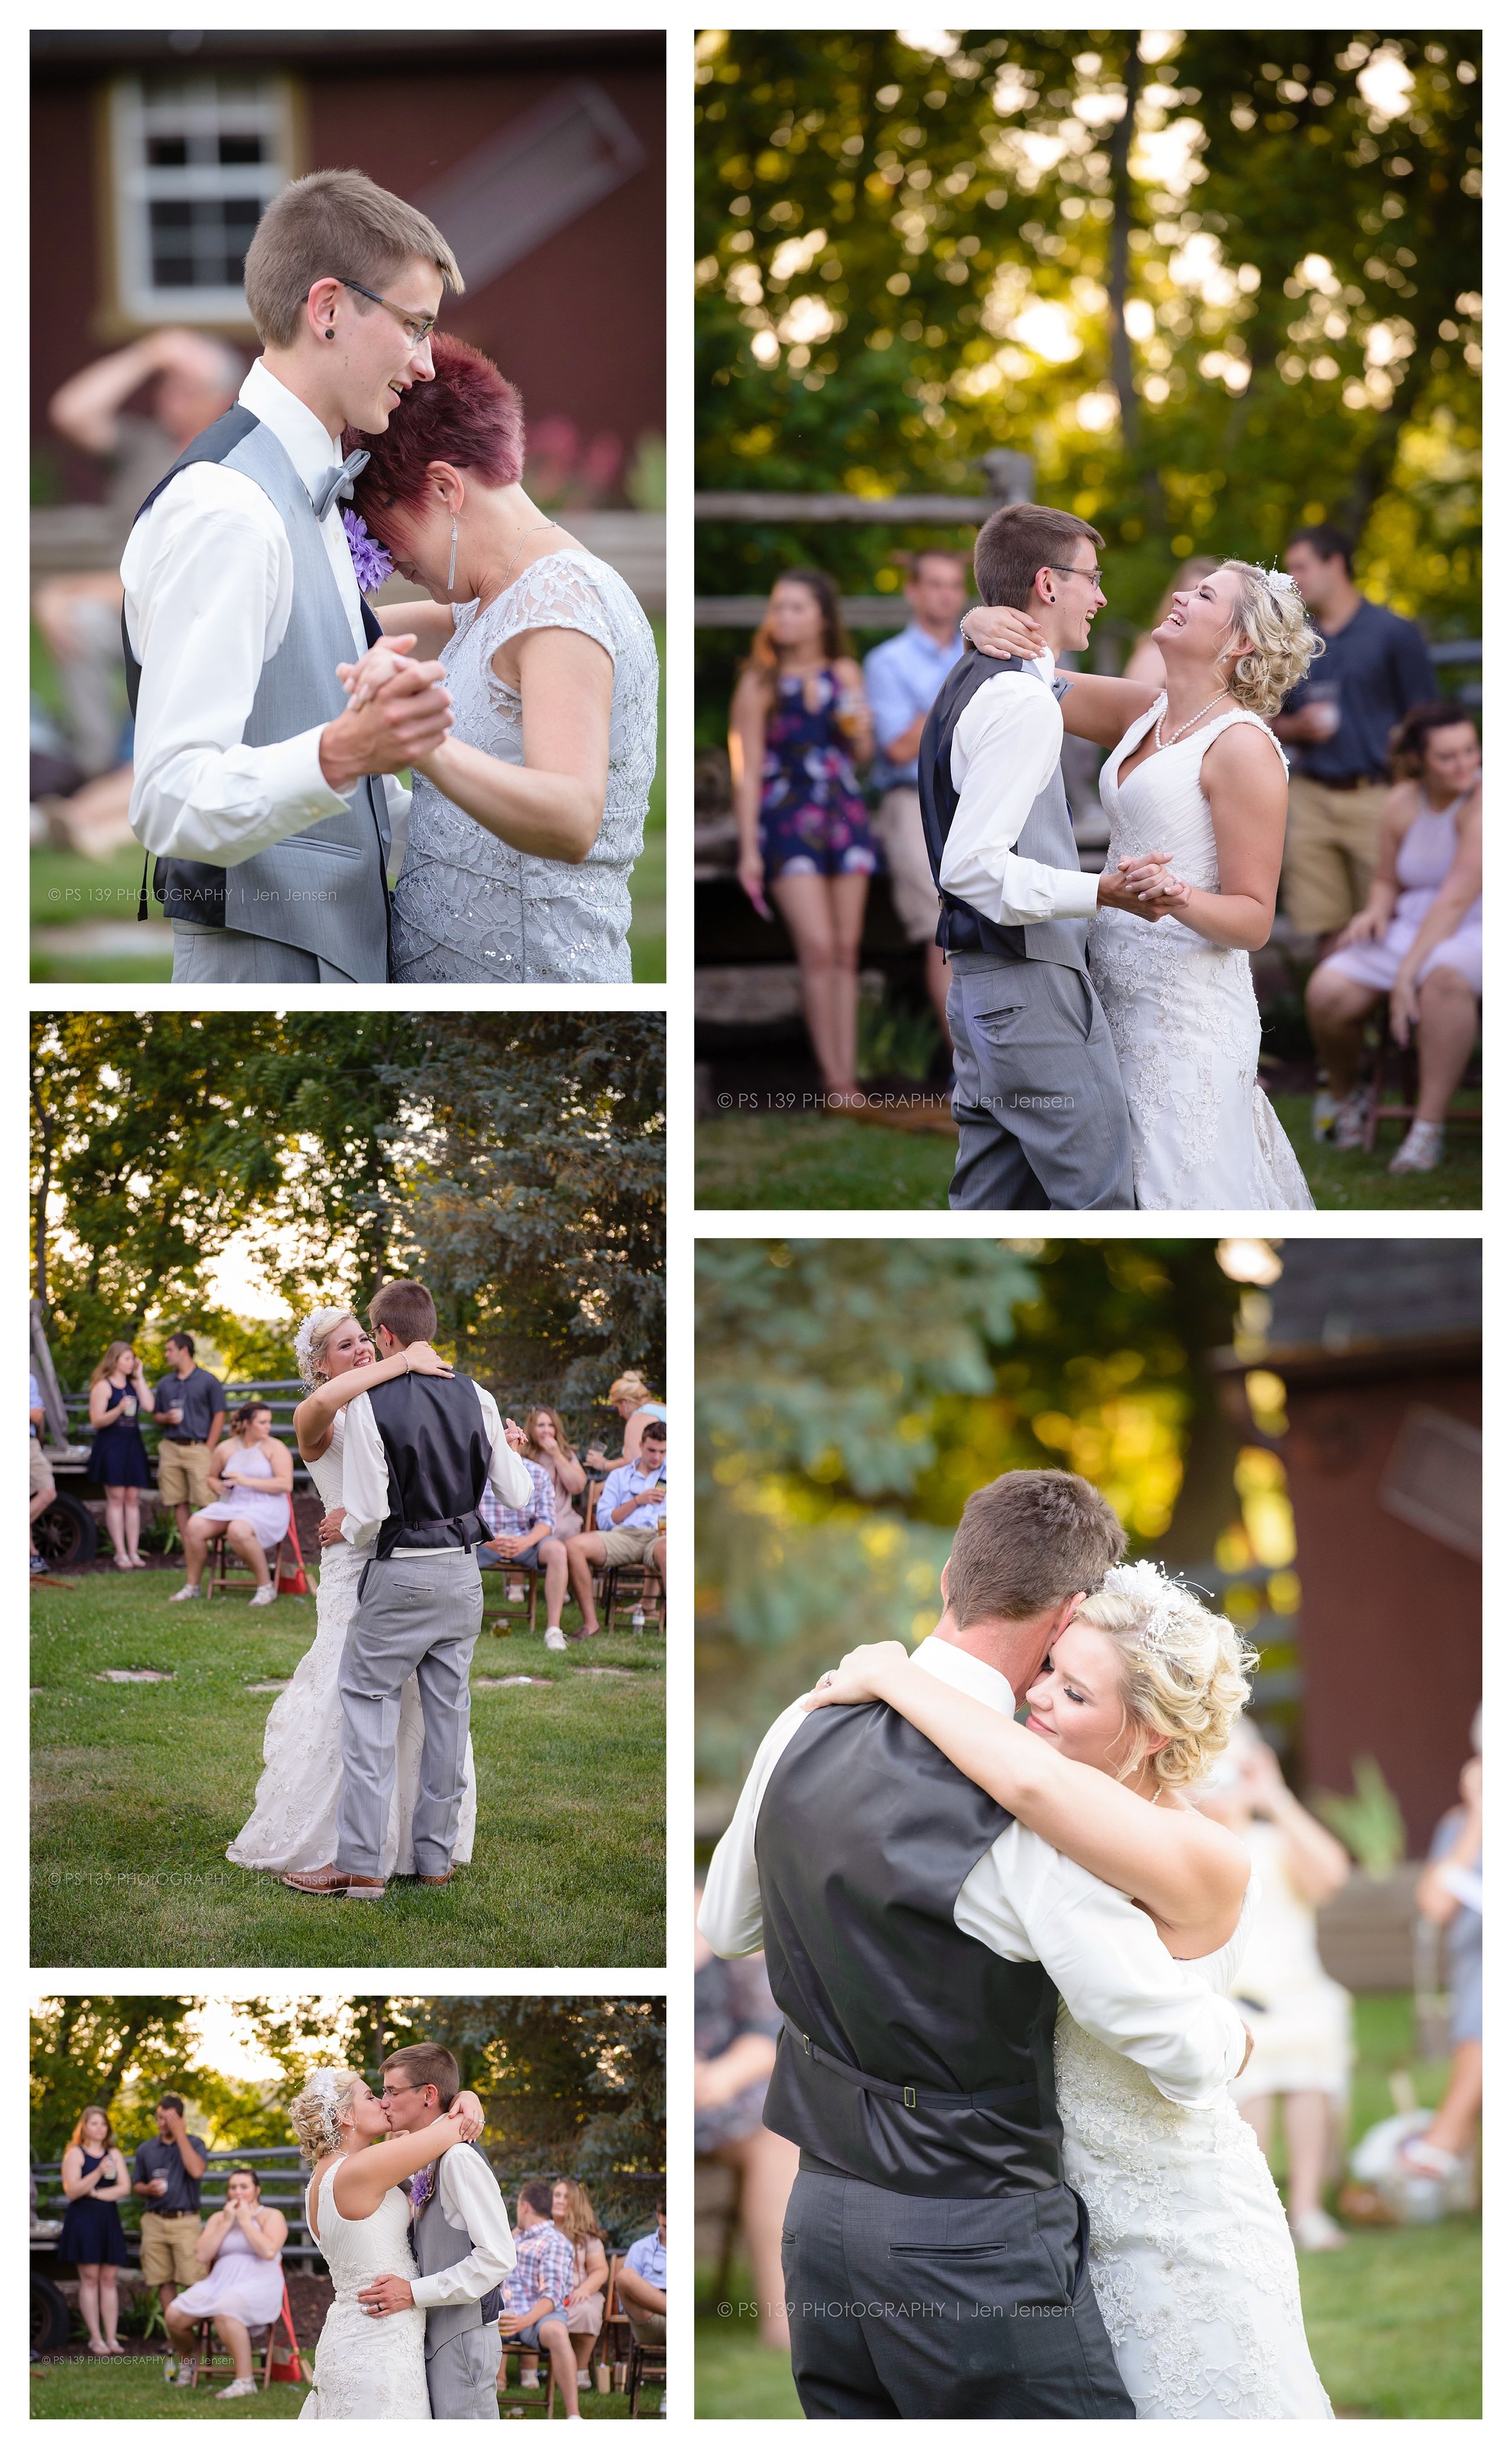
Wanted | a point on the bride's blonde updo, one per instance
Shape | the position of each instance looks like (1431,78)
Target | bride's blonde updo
(316,2115)
(315,1334)
(1271,615)
(1183,1669)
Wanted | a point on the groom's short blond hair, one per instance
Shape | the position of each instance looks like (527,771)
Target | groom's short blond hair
(426,2062)
(1027,1541)
(335,224)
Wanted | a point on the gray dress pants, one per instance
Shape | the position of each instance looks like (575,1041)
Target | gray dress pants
(420,1616)
(223,956)
(904,2306)
(461,2376)
(1039,1102)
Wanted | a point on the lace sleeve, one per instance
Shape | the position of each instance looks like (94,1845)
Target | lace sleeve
(555,593)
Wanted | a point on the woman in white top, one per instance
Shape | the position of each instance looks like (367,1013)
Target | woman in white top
(1195,794)
(526,822)
(1193,2268)
(293,1824)
(252,1474)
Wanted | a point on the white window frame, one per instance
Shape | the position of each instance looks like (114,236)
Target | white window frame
(137,184)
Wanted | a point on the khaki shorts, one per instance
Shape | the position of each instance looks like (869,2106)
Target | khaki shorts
(899,828)
(1332,840)
(183,1475)
(42,1483)
(628,1547)
(168,2240)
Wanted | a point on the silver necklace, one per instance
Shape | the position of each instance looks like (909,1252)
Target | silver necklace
(1187,725)
(538,530)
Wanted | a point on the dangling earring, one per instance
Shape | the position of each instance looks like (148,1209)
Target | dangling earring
(451,566)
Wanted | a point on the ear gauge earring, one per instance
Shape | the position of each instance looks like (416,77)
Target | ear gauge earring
(330,335)
(451,566)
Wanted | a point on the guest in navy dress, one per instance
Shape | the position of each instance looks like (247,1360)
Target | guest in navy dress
(95,2179)
(799,725)
(119,1395)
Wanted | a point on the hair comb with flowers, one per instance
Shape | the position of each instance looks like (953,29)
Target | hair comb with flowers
(1282,585)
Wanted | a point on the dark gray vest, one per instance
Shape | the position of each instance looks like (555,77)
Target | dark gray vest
(324,890)
(437,2246)
(438,1451)
(1047,835)
(912,2056)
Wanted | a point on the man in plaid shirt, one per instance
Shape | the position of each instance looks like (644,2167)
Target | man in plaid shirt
(517,1532)
(535,2292)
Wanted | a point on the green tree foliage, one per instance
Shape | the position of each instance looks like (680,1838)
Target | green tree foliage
(515,1161)
(1216,283)
(852,1394)
(85,2050)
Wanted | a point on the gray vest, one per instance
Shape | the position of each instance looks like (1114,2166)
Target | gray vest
(437,2246)
(972,941)
(324,890)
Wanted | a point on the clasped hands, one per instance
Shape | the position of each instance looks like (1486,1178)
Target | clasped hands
(399,712)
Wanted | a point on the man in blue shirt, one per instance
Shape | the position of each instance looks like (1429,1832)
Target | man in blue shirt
(1335,727)
(633,1508)
(904,676)
(643,2284)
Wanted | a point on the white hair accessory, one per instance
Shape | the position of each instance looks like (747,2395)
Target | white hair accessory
(1282,584)
(323,2083)
(1150,1588)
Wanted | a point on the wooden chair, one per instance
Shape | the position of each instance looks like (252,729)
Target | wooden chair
(616,2338)
(648,2361)
(631,1586)
(543,2399)
(1402,1061)
(212,2359)
(503,1619)
(227,1570)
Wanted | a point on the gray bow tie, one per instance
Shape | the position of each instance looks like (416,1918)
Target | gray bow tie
(336,486)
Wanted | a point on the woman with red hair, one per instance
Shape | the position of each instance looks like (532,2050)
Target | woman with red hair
(526,821)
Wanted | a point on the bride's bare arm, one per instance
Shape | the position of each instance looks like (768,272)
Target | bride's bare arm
(552,805)
(1168,1860)
(365,2177)
(1245,791)
(314,1418)
(1094,707)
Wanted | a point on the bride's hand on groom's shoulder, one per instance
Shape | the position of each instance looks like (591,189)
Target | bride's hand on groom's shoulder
(1002,630)
(425,1362)
(467,2110)
(363,679)
(862,1675)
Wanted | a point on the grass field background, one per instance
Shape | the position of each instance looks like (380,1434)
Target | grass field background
(134,2391)
(1393,2318)
(138,1790)
(818,1160)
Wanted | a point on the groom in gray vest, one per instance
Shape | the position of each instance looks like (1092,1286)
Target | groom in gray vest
(918,1942)
(264,798)
(463,2247)
(416,1456)
(1038,1101)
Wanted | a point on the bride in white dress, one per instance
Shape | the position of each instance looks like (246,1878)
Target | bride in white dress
(1191,2264)
(292,1825)
(526,823)
(1196,796)
(367,2367)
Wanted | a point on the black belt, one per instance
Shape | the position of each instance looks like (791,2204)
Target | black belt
(165,1439)
(907,2094)
(1344,782)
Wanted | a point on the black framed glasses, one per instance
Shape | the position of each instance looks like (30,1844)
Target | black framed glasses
(418,326)
(1068,570)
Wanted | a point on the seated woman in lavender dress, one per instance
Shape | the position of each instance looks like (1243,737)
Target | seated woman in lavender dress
(1417,939)
(256,1473)
(243,2251)
(526,823)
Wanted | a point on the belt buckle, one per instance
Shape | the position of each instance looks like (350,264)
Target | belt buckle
(910,2098)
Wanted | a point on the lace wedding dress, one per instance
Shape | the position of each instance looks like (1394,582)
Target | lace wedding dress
(467,908)
(1192,2261)
(367,2368)
(292,1825)
(1182,1011)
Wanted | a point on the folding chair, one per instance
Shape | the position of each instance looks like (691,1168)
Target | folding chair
(227,1570)
(1403,1060)
(211,2358)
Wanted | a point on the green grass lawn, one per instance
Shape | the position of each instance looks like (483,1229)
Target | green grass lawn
(1393,2318)
(135,2390)
(828,1161)
(138,1789)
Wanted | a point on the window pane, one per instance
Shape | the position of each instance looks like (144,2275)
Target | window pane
(240,148)
(166,152)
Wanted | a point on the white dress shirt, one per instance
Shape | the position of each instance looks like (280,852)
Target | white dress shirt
(467,2192)
(1003,753)
(365,1475)
(1033,1906)
(209,587)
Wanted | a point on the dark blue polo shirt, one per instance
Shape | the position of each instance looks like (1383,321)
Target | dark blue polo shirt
(200,1395)
(1379,666)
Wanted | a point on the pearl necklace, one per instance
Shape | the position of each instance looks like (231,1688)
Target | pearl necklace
(1187,725)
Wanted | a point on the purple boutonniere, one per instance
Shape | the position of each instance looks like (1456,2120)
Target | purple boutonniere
(372,564)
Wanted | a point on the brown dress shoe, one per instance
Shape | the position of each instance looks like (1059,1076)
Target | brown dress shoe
(328,1881)
(368,1891)
(432,1879)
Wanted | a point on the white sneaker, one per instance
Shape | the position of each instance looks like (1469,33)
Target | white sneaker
(190,1590)
(556,1639)
(1325,1114)
(247,2388)
(1421,1150)
(1349,1124)
(261,1598)
(1316,2232)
